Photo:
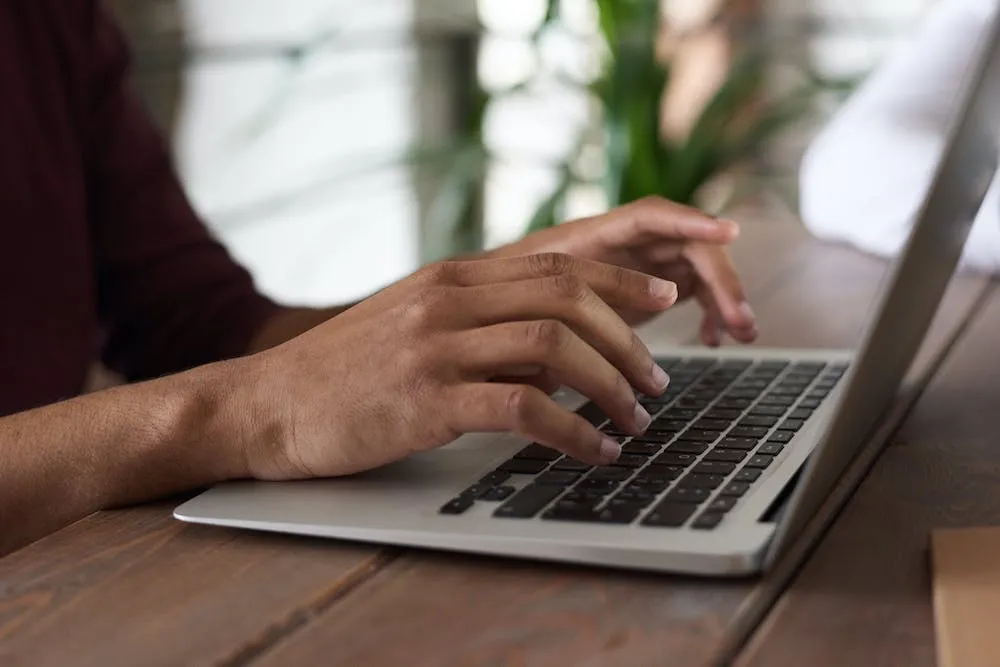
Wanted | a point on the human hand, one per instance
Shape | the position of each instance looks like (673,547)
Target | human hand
(664,239)
(465,346)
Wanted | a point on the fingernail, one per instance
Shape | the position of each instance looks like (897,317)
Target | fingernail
(662,289)
(734,227)
(660,377)
(642,418)
(746,312)
(610,450)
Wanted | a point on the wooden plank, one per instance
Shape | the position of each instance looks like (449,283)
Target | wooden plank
(431,609)
(135,587)
(864,596)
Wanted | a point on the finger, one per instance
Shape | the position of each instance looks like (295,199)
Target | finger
(716,271)
(711,322)
(550,344)
(656,219)
(543,381)
(536,376)
(569,300)
(620,287)
(528,412)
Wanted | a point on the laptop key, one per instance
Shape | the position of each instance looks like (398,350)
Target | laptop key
(538,452)
(497,493)
(800,413)
(577,498)
(791,425)
(457,505)
(675,459)
(758,420)
(815,366)
(667,472)
(682,415)
(630,461)
(767,410)
(597,484)
(722,504)
(770,448)
(771,399)
(725,455)
(689,494)
(744,444)
(661,424)
(637,497)
(524,466)
(733,403)
(759,461)
(747,475)
(641,448)
(810,403)
(707,521)
(611,473)
(649,484)
(714,468)
(702,436)
(528,502)
(781,436)
(669,515)
(571,464)
(557,477)
(757,432)
(699,481)
(686,447)
(711,424)
(722,413)
(476,490)
(495,477)
(735,489)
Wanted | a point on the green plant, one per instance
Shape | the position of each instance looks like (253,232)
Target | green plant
(737,122)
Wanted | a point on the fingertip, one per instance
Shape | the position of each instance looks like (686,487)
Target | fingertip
(664,291)
(610,450)
(731,226)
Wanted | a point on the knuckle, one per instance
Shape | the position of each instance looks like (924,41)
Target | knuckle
(567,286)
(438,273)
(546,335)
(428,307)
(637,349)
(518,404)
(653,201)
(623,390)
(551,263)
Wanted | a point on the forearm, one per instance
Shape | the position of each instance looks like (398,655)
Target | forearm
(116,447)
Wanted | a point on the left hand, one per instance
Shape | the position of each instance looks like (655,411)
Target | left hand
(667,240)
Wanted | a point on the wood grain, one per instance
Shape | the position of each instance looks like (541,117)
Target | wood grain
(437,610)
(135,587)
(864,597)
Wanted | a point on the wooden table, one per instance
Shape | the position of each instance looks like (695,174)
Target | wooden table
(135,587)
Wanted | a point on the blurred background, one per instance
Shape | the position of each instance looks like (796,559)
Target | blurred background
(336,145)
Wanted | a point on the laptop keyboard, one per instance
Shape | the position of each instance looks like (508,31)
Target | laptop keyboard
(719,425)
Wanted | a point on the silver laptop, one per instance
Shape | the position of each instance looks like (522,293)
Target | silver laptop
(744,446)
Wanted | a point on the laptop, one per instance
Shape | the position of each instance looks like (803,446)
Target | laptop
(744,447)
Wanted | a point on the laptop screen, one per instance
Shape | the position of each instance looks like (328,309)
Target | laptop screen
(914,290)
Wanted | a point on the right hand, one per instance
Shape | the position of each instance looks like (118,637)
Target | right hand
(458,347)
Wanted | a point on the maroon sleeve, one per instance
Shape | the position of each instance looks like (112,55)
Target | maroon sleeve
(169,294)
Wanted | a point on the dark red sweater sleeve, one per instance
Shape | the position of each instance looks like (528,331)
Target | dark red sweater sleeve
(169,294)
